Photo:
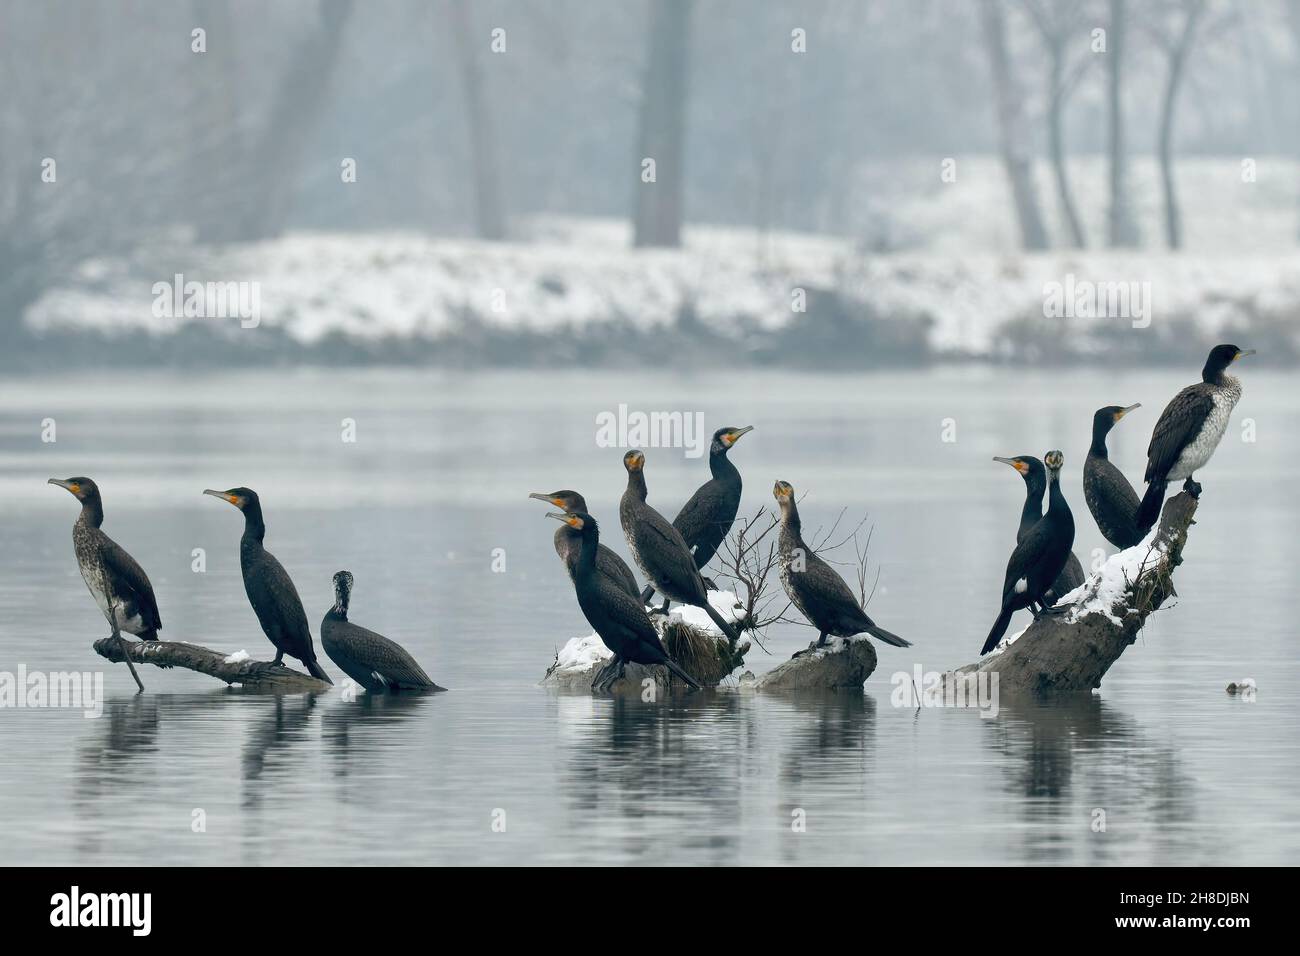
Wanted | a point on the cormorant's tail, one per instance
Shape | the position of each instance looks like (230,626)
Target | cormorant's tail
(880,634)
(723,625)
(317,671)
(999,628)
(677,671)
(1152,502)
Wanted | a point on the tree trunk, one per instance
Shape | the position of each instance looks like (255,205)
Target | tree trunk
(662,135)
(1070,653)
(1056,137)
(1011,131)
(1120,228)
(250,674)
(489,219)
(1177,64)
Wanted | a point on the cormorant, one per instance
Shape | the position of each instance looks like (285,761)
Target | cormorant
(1111,499)
(568,542)
(130,594)
(815,588)
(271,592)
(1035,475)
(619,618)
(370,659)
(659,548)
(707,517)
(1189,430)
(1039,557)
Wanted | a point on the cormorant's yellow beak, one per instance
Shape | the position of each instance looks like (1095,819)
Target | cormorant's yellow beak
(232,499)
(733,436)
(782,490)
(573,521)
(1241,353)
(543,496)
(1019,466)
(1124,411)
(70,486)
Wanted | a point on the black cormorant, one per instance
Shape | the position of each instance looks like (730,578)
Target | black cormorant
(1039,557)
(370,659)
(1111,499)
(100,557)
(1035,475)
(619,618)
(815,588)
(1189,430)
(271,592)
(659,549)
(568,542)
(707,517)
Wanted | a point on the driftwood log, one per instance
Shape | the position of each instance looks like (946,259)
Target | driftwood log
(843,662)
(1069,653)
(250,674)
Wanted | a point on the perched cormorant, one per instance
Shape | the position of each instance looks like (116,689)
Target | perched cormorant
(98,556)
(568,542)
(1035,475)
(619,618)
(1111,499)
(815,588)
(370,659)
(274,598)
(1039,557)
(659,549)
(1189,430)
(707,517)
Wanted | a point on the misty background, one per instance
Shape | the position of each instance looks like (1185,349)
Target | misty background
(835,184)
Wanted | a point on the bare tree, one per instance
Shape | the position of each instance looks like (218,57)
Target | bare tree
(1056,25)
(662,134)
(489,219)
(1011,128)
(1121,228)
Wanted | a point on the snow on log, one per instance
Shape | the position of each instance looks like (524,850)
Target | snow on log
(843,662)
(237,668)
(689,636)
(1069,653)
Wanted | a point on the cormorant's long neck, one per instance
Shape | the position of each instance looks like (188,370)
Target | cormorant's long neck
(92,511)
(340,608)
(790,519)
(587,555)
(636,484)
(1098,441)
(254,526)
(1033,509)
(720,467)
(1055,499)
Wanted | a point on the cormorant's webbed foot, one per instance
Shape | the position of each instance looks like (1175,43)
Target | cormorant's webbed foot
(1193,488)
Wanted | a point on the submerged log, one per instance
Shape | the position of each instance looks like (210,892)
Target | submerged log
(843,662)
(1070,652)
(248,673)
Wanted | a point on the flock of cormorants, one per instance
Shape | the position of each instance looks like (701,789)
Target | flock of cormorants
(1040,572)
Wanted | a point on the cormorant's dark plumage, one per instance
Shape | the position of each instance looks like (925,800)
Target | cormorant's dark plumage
(814,587)
(1039,557)
(372,660)
(1035,475)
(568,543)
(659,549)
(707,517)
(618,618)
(269,588)
(98,557)
(1111,499)
(1189,430)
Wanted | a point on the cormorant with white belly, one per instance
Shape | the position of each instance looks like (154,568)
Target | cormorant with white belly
(568,542)
(618,618)
(1189,430)
(659,549)
(269,588)
(1035,476)
(814,587)
(1039,557)
(372,660)
(101,559)
(1111,499)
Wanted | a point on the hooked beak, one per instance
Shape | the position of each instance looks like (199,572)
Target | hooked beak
(229,499)
(66,485)
(1243,353)
(1018,466)
(558,516)
(1124,411)
(541,497)
(741,431)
